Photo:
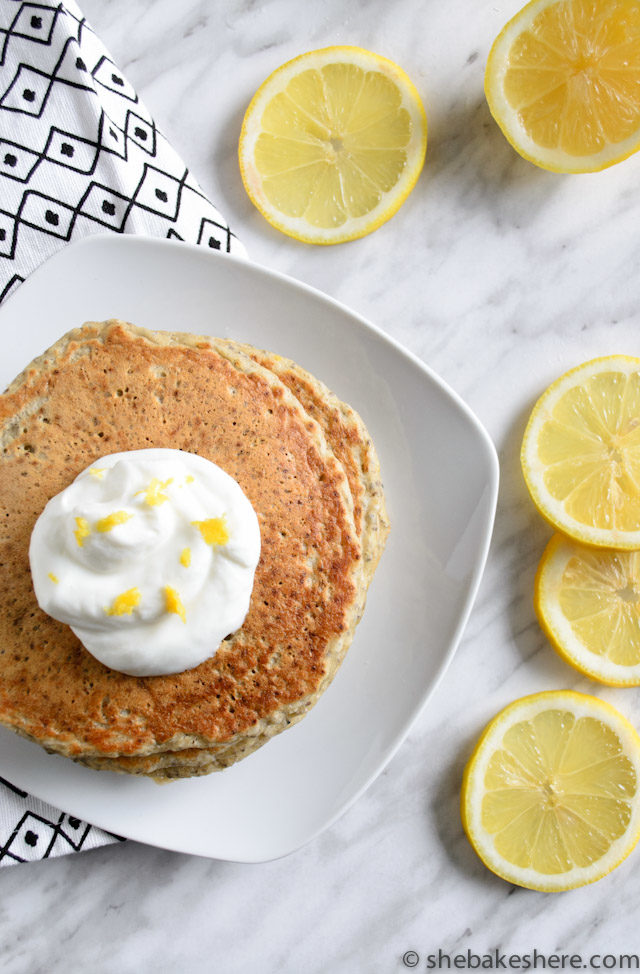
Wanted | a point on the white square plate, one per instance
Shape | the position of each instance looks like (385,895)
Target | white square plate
(441,476)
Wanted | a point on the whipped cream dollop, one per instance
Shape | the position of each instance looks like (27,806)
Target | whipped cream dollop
(149,556)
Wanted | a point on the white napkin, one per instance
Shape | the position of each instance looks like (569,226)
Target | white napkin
(79,154)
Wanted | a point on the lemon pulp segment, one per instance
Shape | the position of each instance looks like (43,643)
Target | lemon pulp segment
(332,144)
(546,820)
(550,796)
(581,453)
(563,82)
(588,603)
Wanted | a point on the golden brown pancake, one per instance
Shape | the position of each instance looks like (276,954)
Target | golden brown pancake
(348,438)
(107,388)
(351,444)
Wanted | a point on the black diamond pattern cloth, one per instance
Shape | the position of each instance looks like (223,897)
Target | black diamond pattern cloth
(79,154)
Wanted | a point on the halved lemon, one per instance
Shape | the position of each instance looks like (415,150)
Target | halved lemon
(588,603)
(550,796)
(581,453)
(332,144)
(563,83)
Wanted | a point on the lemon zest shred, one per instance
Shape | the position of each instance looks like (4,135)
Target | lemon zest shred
(97,472)
(54,578)
(82,530)
(153,493)
(214,530)
(112,520)
(185,557)
(125,603)
(173,603)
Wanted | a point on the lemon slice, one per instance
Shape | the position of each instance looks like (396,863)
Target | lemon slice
(581,453)
(332,144)
(562,83)
(588,603)
(550,794)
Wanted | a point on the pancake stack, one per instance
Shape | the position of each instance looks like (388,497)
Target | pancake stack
(307,464)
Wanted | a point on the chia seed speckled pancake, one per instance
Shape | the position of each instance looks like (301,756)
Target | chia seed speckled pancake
(107,388)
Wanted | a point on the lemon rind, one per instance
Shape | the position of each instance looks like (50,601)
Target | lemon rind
(391,201)
(581,705)
(551,509)
(553,160)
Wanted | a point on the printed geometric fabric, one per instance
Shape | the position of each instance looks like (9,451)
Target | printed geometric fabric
(31,829)
(79,154)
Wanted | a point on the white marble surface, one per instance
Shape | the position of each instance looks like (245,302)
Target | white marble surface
(499,276)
